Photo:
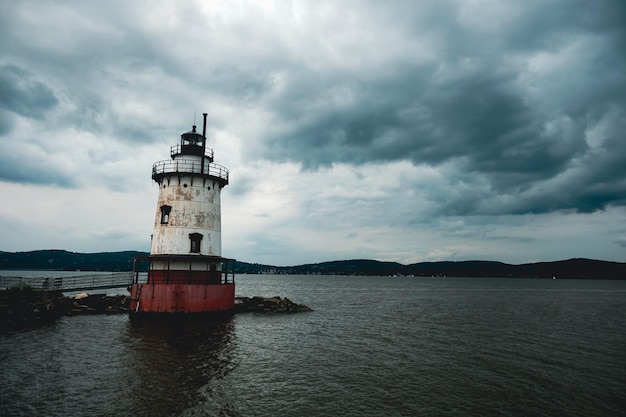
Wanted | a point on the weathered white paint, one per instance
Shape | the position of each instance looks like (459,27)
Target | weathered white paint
(195,208)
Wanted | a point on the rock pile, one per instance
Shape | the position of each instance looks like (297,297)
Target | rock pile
(23,307)
(20,307)
(268,305)
(98,304)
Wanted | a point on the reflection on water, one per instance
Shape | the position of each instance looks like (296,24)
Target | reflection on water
(110,365)
(173,359)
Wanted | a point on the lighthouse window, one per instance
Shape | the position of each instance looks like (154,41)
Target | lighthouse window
(165,214)
(195,239)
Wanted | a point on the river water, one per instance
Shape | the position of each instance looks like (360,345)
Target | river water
(371,347)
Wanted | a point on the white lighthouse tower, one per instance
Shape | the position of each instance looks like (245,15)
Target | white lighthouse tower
(186,270)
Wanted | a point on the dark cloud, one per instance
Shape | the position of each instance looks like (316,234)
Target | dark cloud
(30,170)
(513,106)
(505,94)
(6,122)
(22,93)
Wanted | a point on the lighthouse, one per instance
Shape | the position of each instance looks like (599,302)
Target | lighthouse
(185,271)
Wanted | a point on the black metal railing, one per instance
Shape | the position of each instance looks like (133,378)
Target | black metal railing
(187,166)
(223,277)
(226,275)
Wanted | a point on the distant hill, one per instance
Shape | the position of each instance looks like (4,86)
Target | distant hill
(61,260)
(572,268)
(123,261)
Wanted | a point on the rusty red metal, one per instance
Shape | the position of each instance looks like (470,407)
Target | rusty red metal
(181,298)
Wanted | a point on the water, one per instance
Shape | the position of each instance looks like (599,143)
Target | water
(373,346)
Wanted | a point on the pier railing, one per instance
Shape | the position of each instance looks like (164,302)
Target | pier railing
(71,283)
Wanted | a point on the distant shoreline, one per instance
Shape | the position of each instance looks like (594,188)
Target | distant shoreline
(578,268)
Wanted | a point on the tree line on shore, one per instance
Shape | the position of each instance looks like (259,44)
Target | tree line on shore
(62,260)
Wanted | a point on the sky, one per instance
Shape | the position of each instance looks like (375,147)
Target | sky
(404,131)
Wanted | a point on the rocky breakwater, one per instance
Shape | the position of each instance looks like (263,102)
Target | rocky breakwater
(23,306)
(98,304)
(268,305)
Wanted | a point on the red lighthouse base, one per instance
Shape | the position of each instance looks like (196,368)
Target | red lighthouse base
(181,298)
(202,287)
